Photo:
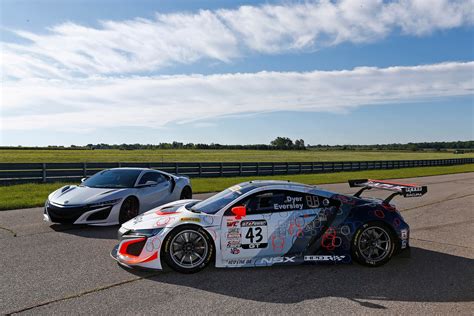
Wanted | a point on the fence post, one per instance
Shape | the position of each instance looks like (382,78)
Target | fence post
(200,169)
(258,168)
(300,165)
(312,166)
(176,168)
(84,169)
(287,168)
(240,169)
(119,164)
(44,172)
(273,168)
(221,170)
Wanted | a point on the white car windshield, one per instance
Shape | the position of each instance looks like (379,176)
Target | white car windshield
(113,178)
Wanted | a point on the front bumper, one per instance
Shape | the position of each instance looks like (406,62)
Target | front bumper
(135,250)
(78,214)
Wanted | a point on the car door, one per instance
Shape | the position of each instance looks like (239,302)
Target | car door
(153,195)
(273,219)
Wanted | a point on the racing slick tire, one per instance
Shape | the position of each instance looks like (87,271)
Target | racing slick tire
(373,244)
(188,249)
(129,209)
(186,194)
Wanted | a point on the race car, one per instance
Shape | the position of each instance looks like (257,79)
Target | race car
(265,223)
(114,196)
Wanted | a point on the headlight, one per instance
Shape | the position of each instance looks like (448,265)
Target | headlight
(106,203)
(142,232)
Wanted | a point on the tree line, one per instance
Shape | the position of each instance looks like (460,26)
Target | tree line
(279,143)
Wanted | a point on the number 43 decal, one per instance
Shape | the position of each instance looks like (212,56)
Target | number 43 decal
(254,234)
(258,234)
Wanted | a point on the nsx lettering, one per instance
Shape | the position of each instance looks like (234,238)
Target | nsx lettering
(274,260)
(324,258)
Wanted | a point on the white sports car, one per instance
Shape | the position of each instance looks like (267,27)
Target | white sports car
(114,196)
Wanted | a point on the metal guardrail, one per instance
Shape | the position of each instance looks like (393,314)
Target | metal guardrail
(12,173)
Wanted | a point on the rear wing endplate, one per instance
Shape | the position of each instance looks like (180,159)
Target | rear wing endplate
(405,190)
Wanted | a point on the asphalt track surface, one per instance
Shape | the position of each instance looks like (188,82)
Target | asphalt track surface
(53,269)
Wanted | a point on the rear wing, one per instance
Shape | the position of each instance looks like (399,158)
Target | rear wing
(405,190)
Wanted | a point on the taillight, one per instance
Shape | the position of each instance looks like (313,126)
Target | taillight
(389,207)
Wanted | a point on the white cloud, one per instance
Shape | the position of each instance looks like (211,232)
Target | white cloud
(95,102)
(148,45)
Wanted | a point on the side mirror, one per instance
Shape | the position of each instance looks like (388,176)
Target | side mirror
(83,179)
(239,211)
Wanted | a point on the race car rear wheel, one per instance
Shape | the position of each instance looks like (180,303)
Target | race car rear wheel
(188,249)
(373,244)
(128,210)
(186,194)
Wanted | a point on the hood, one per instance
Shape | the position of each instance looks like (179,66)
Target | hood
(80,195)
(165,215)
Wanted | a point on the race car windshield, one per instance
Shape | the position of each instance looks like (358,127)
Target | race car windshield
(216,202)
(114,178)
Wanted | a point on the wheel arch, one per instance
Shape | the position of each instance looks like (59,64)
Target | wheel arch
(195,226)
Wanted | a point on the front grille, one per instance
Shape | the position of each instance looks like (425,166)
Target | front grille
(100,215)
(136,248)
(66,215)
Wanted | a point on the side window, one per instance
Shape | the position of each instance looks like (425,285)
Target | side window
(152,176)
(274,201)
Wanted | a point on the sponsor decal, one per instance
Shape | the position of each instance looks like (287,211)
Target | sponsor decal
(328,258)
(232,223)
(325,202)
(235,251)
(191,219)
(404,234)
(233,236)
(235,262)
(404,244)
(253,223)
(413,189)
(273,260)
(233,230)
(233,244)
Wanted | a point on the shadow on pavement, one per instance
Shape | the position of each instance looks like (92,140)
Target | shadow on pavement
(427,276)
(86,231)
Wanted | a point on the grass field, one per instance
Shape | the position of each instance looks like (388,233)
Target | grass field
(31,195)
(190,155)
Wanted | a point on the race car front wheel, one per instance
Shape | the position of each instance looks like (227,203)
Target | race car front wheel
(188,249)
(373,244)
(128,210)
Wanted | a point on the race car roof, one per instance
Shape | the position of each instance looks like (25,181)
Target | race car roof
(264,183)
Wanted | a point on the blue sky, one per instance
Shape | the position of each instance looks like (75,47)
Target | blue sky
(337,72)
